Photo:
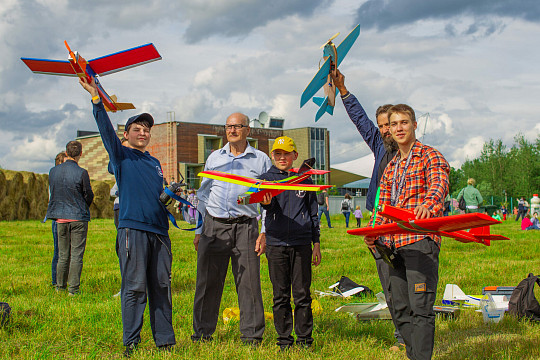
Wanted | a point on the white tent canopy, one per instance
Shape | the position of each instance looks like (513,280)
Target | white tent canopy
(362,166)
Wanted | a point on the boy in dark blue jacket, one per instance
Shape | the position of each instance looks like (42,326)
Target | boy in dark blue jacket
(292,226)
(144,246)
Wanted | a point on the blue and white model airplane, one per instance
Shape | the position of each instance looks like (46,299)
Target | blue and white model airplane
(332,59)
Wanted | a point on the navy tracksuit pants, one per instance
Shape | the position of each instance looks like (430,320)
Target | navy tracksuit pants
(145,265)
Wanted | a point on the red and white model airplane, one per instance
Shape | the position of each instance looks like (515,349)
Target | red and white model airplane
(450,226)
(76,65)
(259,188)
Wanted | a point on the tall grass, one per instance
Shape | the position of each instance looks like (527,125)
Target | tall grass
(46,324)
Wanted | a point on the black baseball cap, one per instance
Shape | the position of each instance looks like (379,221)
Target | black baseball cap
(141,117)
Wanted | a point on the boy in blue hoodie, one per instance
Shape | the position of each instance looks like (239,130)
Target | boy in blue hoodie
(292,226)
(144,246)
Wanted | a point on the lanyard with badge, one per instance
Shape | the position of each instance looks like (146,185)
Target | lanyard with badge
(396,191)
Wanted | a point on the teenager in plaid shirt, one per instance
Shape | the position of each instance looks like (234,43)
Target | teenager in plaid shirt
(415,179)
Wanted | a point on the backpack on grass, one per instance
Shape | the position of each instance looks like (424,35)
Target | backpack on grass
(5,312)
(523,303)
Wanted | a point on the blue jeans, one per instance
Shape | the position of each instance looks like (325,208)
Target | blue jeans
(324,210)
(55,254)
(347,214)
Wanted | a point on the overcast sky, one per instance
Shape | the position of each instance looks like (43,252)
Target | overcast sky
(473,65)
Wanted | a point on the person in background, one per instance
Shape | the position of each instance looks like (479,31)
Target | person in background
(71,196)
(194,200)
(358,216)
(521,209)
(60,158)
(504,212)
(472,196)
(527,224)
(346,206)
(322,200)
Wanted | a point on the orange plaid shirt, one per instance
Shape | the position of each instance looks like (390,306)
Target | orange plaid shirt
(426,183)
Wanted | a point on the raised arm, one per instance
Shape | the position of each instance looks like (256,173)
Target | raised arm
(112,144)
(367,129)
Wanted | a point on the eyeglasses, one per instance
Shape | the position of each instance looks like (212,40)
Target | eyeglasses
(235,126)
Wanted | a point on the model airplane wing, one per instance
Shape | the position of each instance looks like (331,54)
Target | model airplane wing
(449,226)
(316,83)
(259,188)
(49,67)
(346,44)
(257,183)
(126,59)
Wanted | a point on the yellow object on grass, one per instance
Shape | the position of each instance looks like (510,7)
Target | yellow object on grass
(316,307)
(233,314)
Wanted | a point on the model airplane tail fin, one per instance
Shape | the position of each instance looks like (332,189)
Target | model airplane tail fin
(453,292)
(483,234)
(306,165)
(318,100)
(124,106)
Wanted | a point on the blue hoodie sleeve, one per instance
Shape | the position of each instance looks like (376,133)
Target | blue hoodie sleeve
(370,133)
(112,143)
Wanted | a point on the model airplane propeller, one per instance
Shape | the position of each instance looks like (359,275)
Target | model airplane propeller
(450,226)
(332,56)
(76,65)
(259,188)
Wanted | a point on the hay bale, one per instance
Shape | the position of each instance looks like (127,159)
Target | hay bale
(3,184)
(8,209)
(23,208)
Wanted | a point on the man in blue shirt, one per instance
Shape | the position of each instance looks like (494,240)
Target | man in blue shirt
(384,148)
(144,246)
(230,232)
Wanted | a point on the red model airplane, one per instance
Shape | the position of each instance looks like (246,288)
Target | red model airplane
(450,226)
(259,188)
(76,65)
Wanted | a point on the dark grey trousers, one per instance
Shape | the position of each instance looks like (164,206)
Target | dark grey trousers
(218,244)
(290,269)
(145,264)
(384,276)
(413,287)
(71,246)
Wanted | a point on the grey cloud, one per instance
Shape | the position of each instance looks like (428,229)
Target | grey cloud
(383,15)
(239,18)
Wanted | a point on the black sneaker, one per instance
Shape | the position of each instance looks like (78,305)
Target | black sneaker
(201,339)
(166,348)
(254,343)
(303,345)
(130,349)
(285,347)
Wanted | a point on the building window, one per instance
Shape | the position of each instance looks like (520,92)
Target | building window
(192,180)
(318,151)
(253,142)
(207,145)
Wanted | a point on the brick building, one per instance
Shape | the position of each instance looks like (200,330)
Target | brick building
(183,147)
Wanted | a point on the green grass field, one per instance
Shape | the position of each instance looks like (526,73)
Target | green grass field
(46,324)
